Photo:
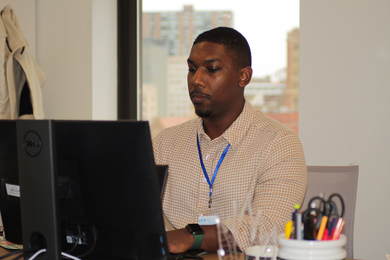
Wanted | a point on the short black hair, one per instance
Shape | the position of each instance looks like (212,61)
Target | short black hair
(233,41)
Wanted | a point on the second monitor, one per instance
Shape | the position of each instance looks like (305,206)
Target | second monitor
(108,204)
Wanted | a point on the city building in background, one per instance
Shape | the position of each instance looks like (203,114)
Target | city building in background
(167,41)
(292,81)
(154,78)
(179,29)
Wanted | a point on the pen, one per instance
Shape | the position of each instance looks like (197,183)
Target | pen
(288,229)
(326,235)
(294,214)
(321,230)
(298,226)
(338,229)
(331,229)
(297,207)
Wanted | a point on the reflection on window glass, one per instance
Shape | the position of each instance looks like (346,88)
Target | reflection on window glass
(169,29)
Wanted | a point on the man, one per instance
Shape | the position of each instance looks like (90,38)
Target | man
(232,161)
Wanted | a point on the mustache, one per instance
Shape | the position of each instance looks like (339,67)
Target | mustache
(198,92)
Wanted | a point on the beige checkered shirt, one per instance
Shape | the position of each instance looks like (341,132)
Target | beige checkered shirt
(260,180)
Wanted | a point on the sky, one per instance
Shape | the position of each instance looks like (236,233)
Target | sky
(264,23)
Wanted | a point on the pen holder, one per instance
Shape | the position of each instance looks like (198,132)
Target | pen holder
(292,249)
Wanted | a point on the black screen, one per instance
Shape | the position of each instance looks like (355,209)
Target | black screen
(107,198)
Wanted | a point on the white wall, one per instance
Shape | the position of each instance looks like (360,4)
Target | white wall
(64,51)
(104,60)
(344,105)
(74,42)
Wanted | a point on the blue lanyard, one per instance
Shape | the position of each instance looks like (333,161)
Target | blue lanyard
(216,168)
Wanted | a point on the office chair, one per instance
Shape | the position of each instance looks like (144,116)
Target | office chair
(335,179)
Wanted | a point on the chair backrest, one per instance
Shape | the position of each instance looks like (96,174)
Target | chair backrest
(335,179)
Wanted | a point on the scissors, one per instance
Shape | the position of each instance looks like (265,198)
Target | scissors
(336,231)
(324,222)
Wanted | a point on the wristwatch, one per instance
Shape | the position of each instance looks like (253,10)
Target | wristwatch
(198,232)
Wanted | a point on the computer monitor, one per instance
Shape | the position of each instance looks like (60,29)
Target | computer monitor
(9,186)
(89,188)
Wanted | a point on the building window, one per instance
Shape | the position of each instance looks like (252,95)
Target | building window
(169,31)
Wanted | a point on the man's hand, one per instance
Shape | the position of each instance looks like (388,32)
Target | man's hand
(179,240)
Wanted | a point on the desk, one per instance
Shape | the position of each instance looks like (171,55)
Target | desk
(215,257)
(211,256)
(5,251)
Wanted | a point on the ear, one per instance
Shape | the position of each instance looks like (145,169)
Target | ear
(245,76)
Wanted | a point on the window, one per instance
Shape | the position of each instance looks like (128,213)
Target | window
(170,27)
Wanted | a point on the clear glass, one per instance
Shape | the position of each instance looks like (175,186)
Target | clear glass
(168,30)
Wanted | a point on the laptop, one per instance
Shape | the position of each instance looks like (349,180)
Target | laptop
(162,172)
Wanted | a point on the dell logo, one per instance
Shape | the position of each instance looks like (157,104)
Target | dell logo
(32,143)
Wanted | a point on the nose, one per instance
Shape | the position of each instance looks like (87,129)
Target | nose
(196,78)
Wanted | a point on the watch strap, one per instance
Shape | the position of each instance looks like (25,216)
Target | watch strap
(198,241)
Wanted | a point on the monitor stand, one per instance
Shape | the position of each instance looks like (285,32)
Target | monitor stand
(38,185)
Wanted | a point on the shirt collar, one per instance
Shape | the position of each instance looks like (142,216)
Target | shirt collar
(237,129)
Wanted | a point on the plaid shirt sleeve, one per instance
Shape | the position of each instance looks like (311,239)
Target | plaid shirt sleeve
(280,184)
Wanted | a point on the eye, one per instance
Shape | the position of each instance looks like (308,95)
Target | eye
(191,69)
(212,69)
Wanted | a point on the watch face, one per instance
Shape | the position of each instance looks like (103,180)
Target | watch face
(195,229)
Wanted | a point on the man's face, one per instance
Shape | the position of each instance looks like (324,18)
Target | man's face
(213,80)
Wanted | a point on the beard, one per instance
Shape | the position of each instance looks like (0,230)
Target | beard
(205,113)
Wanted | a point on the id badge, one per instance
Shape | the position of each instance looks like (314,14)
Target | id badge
(207,220)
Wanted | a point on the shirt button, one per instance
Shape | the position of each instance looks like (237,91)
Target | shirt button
(207,156)
(204,179)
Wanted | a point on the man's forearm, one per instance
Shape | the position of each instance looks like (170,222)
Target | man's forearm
(181,240)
